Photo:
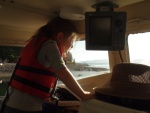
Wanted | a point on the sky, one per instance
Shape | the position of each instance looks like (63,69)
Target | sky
(80,54)
(139,45)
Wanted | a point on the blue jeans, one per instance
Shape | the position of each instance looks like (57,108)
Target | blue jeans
(47,108)
(50,108)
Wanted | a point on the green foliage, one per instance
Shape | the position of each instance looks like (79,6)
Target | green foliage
(3,88)
(10,53)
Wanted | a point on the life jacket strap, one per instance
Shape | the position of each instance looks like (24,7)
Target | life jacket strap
(31,84)
(35,70)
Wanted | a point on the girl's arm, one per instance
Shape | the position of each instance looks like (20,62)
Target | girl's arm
(68,79)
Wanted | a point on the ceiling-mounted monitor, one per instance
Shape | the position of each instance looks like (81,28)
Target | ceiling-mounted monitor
(105,30)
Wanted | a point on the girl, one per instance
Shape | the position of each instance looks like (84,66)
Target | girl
(40,65)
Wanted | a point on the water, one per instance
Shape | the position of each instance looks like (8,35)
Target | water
(99,65)
(82,70)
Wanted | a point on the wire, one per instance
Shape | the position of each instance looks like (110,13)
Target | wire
(121,56)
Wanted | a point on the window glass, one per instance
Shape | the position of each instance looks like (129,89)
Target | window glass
(8,58)
(84,63)
(139,45)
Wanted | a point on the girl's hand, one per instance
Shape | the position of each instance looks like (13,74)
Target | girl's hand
(88,96)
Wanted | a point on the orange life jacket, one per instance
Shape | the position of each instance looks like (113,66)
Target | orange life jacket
(30,76)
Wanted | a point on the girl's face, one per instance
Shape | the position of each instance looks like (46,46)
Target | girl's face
(67,44)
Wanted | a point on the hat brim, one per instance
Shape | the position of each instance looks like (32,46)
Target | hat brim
(126,93)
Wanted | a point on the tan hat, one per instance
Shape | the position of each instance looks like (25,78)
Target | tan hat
(129,80)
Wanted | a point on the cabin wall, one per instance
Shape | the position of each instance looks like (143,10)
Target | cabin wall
(137,10)
(19,25)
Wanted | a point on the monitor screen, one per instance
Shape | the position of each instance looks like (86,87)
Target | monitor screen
(102,28)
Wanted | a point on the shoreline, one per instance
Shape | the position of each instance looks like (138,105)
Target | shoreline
(84,67)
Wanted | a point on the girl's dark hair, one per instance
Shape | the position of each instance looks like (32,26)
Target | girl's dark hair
(55,26)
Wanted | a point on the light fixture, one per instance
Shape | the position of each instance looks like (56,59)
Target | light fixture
(72,13)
